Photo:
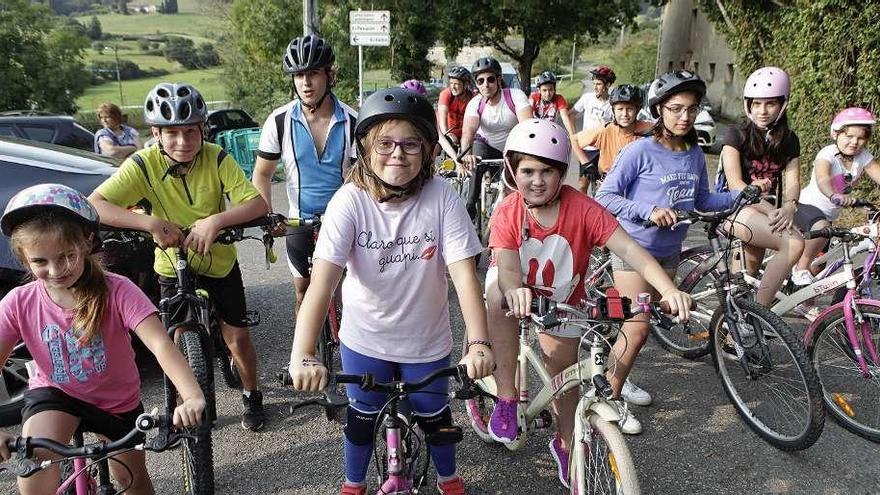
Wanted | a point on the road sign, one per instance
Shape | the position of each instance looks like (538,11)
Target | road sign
(370,39)
(369,27)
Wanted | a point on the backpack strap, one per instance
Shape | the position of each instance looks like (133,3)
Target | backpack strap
(143,166)
(508,98)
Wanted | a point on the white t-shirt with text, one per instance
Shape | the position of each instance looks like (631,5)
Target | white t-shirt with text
(394,295)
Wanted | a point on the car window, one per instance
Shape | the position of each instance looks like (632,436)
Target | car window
(235,117)
(38,133)
(6,130)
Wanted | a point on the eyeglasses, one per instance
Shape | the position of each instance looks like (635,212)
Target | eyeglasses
(385,146)
(681,109)
(486,80)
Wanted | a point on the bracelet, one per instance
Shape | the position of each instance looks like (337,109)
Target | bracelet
(480,342)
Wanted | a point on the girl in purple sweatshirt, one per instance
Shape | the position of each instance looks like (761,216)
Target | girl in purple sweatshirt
(650,178)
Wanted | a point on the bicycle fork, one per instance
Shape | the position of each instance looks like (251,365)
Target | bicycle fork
(398,480)
(852,316)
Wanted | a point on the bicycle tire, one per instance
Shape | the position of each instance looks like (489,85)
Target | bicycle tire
(843,386)
(328,353)
(750,396)
(600,461)
(690,340)
(197,456)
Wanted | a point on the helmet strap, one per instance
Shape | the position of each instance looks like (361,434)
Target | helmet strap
(177,169)
(515,187)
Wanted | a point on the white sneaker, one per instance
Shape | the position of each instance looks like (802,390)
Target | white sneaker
(634,394)
(801,277)
(628,424)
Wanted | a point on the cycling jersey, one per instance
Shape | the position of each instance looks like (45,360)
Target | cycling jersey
(181,201)
(496,120)
(596,112)
(548,110)
(456,106)
(311,179)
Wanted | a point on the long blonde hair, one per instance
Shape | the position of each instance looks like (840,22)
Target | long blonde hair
(90,291)
(362,175)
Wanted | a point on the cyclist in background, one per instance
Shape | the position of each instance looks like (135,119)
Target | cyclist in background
(312,136)
(398,232)
(547,104)
(74,318)
(626,100)
(415,86)
(596,109)
(488,119)
(451,106)
(187,180)
(763,151)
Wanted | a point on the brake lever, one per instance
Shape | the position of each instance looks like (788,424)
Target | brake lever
(167,439)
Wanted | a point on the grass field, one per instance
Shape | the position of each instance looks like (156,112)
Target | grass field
(207,81)
(199,27)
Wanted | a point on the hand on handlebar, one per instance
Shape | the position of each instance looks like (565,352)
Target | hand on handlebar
(679,303)
(165,234)
(466,164)
(202,234)
(663,217)
(762,184)
(519,302)
(189,413)
(479,360)
(307,373)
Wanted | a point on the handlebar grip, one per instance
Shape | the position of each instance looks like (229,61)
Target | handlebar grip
(663,306)
(813,234)
(285,378)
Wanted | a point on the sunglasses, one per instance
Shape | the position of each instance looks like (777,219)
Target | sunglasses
(849,180)
(486,80)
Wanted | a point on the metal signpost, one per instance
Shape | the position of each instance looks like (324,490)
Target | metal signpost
(368,28)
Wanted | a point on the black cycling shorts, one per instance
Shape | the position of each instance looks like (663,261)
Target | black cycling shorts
(300,248)
(93,419)
(227,296)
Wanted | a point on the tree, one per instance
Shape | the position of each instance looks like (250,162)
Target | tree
(42,66)
(182,50)
(94,30)
(497,22)
(169,7)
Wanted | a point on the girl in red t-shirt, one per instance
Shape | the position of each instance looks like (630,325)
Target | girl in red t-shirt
(541,238)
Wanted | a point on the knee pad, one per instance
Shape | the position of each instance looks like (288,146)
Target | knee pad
(360,426)
(438,428)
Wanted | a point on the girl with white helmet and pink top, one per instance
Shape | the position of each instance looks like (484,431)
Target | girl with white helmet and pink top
(764,152)
(541,237)
(836,170)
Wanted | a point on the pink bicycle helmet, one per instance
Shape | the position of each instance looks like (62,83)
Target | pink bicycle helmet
(767,82)
(851,116)
(415,86)
(540,138)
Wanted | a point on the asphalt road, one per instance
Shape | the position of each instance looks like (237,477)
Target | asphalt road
(693,440)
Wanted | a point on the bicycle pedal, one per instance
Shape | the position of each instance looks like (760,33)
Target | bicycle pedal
(251,318)
(449,435)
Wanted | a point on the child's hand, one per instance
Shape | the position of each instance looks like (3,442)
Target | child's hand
(763,184)
(663,217)
(307,373)
(843,199)
(479,360)
(782,219)
(519,301)
(679,304)
(189,413)
(165,233)
(4,451)
(202,235)
(467,164)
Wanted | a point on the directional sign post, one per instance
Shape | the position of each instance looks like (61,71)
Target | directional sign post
(368,28)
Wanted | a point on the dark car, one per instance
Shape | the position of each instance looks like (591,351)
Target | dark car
(25,163)
(56,129)
(224,120)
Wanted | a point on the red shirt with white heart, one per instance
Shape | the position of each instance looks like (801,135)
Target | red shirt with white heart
(554,259)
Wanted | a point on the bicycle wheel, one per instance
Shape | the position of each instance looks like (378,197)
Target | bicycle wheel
(328,353)
(851,398)
(600,461)
(690,340)
(197,454)
(772,385)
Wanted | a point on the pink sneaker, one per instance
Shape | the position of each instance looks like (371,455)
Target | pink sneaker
(503,426)
(560,455)
(455,486)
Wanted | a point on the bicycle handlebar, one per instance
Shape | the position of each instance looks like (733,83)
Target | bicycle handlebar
(22,447)
(544,312)
(749,195)
(871,230)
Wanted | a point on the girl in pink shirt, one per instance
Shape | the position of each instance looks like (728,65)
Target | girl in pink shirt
(74,320)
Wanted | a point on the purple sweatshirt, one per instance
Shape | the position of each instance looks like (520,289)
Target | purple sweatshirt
(646,175)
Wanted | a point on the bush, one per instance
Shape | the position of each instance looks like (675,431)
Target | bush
(143,44)
(103,71)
